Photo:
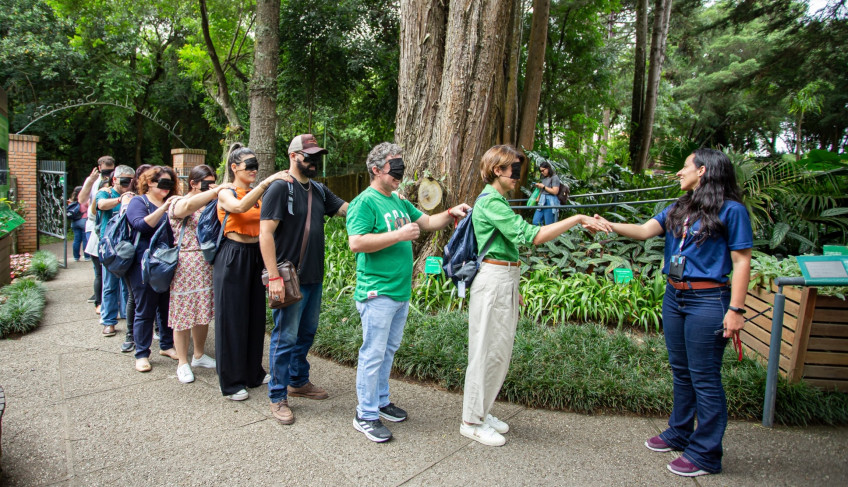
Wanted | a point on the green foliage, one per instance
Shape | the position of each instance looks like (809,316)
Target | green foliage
(44,266)
(23,307)
(584,368)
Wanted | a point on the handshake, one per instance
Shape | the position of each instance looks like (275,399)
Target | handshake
(596,224)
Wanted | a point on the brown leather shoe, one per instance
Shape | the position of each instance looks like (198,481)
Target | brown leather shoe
(281,411)
(309,391)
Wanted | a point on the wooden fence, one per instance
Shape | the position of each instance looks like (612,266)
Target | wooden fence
(347,186)
(814,344)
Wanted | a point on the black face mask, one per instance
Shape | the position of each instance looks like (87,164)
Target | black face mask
(125,182)
(516,171)
(307,168)
(166,184)
(106,173)
(204,185)
(251,164)
(396,168)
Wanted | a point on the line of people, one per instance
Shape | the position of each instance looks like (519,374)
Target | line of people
(281,218)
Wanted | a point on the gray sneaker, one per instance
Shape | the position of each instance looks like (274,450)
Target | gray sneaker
(373,430)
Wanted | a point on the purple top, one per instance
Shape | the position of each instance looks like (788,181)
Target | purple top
(137,210)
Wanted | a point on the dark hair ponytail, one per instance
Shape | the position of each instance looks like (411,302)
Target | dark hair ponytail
(717,185)
(234,156)
(199,173)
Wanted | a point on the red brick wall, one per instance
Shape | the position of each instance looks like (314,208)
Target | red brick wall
(186,159)
(22,164)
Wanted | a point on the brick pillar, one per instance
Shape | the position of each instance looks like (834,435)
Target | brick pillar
(187,159)
(22,164)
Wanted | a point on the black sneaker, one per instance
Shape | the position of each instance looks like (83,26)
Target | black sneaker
(128,345)
(393,413)
(92,299)
(373,430)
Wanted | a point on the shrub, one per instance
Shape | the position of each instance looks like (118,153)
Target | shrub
(43,265)
(584,368)
(24,306)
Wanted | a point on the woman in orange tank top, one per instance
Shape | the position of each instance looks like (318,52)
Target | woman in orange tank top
(239,295)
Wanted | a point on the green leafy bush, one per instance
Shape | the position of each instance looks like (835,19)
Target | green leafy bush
(23,307)
(43,265)
(584,368)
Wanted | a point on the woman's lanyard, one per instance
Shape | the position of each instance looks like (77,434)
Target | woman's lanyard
(683,238)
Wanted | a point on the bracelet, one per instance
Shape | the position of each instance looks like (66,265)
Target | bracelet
(741,311)
(455,219)
(274,279)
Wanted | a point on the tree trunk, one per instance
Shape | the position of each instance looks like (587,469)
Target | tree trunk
(638,79)
(452,88)
(662,13)
(532,83)
(510,129)
(263,87)
(602,150)
(223,96)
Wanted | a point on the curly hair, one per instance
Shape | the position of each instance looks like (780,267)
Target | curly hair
(153,174)
(138,173)
(377,156)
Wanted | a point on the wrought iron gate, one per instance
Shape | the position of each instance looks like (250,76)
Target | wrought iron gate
(52,202)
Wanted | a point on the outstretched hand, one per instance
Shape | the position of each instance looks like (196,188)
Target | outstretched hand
(460,211)
(596,224)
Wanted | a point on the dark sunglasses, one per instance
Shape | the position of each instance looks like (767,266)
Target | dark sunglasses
(251,164)
(166,184)
(124,182)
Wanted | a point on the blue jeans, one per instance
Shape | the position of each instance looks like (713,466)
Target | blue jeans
(80,238)
(114,302)
(547,215)
(293,334)
(383,320)
(692,324)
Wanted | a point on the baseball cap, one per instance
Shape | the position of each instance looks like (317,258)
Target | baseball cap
(306,143)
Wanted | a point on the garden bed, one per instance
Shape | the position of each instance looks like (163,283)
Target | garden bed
(814,345)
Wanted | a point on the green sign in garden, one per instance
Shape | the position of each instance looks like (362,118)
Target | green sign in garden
(9,220)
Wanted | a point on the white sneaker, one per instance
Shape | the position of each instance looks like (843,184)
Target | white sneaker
(184,374)
(238,396)
(204,361)
(267,379)
(482,433)
(495,423)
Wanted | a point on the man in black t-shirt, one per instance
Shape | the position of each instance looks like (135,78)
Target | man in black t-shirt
(281,232)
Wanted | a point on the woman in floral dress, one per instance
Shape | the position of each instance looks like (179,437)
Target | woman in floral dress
(191,307)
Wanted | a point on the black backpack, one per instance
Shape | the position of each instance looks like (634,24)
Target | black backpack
(562,194)
(74,211)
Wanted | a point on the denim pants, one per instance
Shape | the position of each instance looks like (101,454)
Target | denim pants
(80,238)
(114,298)
(383,320)
(692,324)
(291,338)
(545,216)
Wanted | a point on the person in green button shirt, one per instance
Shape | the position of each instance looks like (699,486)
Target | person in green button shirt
(381,227)
(493,305)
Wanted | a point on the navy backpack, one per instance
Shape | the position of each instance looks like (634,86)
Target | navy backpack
(116,249)
(461,261)
(159,262)
(210,231)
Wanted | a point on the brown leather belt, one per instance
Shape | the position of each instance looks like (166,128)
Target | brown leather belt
(687,285)
(501,262)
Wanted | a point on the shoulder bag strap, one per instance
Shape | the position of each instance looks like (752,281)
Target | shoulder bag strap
(224,223)
(306,231)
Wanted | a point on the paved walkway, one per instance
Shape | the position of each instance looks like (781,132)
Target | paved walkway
(79,414)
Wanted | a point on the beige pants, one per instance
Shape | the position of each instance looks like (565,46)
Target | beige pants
(492,318)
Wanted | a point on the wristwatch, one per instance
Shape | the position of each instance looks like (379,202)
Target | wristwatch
(741,311)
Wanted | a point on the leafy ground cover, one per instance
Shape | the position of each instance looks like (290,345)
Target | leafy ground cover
(584,343)
(22,306)
(586,368)
(42,265)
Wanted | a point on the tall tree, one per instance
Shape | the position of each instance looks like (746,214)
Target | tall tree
(662,14)
(639,56)
(452,90)
(532,82)
(263,86)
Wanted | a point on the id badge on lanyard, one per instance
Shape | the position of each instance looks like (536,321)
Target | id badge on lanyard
(678,261)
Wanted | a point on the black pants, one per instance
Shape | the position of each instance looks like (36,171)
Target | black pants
(239,316)
(148,306)
(98,281)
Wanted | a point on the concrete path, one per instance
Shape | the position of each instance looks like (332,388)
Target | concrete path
(79,414)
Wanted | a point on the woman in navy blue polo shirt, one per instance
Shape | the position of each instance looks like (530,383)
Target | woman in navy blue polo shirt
(707,234)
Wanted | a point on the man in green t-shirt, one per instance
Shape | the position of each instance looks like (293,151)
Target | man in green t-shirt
(381,227)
